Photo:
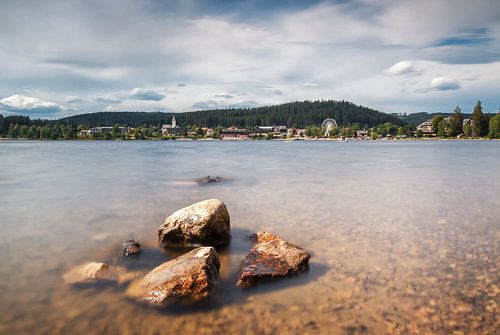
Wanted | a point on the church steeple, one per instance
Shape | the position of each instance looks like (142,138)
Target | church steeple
(173,122)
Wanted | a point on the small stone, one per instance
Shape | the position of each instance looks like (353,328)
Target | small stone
(210,180)
(130,247)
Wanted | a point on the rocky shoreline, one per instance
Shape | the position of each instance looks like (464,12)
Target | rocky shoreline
(190,278)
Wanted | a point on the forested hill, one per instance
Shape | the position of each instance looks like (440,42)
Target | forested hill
(297,114)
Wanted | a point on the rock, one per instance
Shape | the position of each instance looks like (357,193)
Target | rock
(203,223)
(91,273)
(186,279)
(210,180)
(130,247)
(271,257)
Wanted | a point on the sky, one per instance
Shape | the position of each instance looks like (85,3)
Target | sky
(61,58)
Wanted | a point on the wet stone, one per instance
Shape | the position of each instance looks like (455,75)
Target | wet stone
(130,247)
(207,180)
(186,279)
(205,223)
(272,258)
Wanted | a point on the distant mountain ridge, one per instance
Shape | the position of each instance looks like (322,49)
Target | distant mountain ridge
(297,114)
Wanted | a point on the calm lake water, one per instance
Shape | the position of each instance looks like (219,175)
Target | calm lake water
(404,236)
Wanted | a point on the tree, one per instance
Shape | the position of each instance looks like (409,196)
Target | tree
(467,130)
(455,123)
(442,128)
(495,127)
(435,122)
(115,130)
(479,123)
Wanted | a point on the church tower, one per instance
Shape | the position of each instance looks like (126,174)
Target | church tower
(173,122)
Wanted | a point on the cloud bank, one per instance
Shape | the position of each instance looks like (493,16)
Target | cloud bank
(20,104)
(183,55)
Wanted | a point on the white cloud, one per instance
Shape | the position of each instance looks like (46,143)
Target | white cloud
(24,104)
(444,84)
(400,68)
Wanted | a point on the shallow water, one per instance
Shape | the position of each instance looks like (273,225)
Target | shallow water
(404,236)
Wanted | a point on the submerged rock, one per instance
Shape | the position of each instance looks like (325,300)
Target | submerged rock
(270,258)
(186,279)
(91,272)
(203,223)
(210,180)
(130,247)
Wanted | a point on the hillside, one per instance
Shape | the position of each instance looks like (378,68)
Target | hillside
(297,114)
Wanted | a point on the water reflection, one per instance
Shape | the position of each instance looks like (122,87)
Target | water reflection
(404,236)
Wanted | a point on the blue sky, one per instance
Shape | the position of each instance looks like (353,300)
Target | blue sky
(59,58)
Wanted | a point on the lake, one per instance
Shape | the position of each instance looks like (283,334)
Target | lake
(404,235)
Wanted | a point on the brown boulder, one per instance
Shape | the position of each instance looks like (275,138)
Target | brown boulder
(186,279)
(270,258)
(203,223)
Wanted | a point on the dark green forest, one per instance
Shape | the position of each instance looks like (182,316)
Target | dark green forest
(294,114)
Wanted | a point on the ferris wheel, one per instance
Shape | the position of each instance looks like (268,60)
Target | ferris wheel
(328,125)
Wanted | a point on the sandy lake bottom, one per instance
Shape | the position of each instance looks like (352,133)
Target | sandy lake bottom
(404,236)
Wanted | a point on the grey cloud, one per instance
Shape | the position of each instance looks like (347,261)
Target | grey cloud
(207,104)
(225,96)
(107,101)
(461,54)
(146,94)
(212,104)
(75,101)
(244,104)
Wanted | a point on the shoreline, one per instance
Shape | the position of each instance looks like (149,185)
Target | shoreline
(256,140)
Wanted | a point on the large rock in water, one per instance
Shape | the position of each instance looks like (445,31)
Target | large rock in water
(203,223)
(186,279)
(272,257)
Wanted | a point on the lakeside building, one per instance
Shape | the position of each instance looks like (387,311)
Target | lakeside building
(263,129)
(425,127)
(98,130)
(362,134)
(208,131)
(235,134)
(171,129)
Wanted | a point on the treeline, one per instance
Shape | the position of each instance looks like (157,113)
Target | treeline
(294,114)
(480,125)
(415,119)
(15,126)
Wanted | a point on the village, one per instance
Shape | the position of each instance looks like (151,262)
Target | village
(174,131)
